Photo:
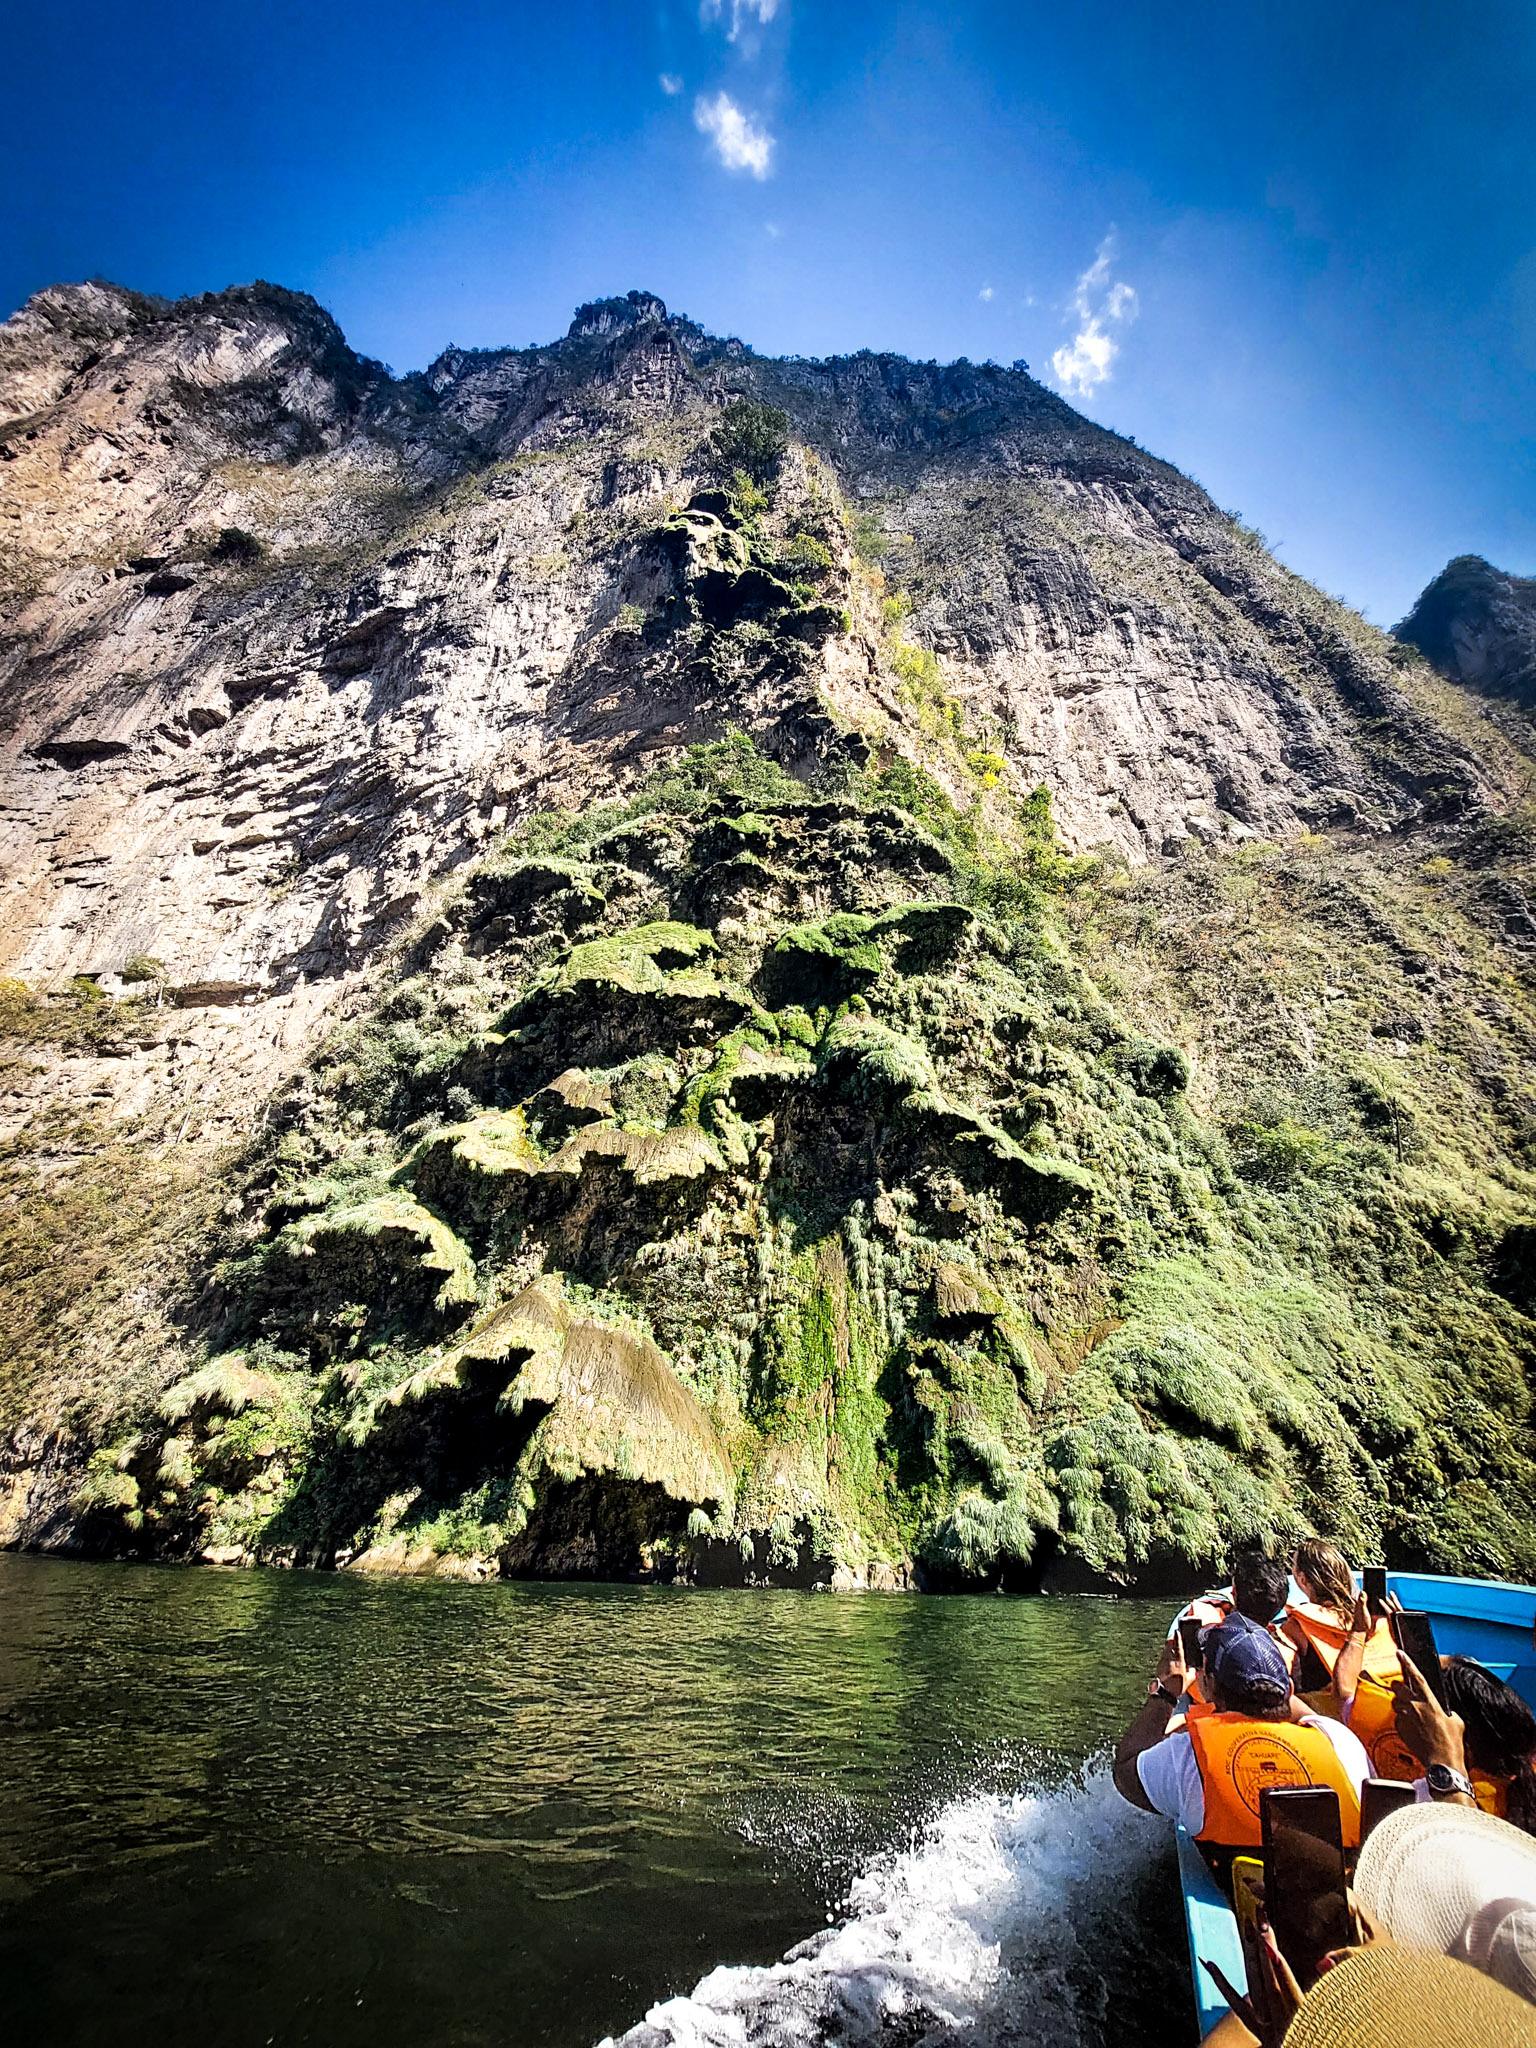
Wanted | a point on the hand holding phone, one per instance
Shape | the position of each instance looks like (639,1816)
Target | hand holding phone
(1189,1641)
(1374,1585)
(1170,1666)
(1282,1988)
(1269,2006)
(1304,1893)
(1414,1635)
(1237,2001)
(1423,1725)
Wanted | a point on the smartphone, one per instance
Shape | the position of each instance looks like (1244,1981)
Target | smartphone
(1374,1583)
(1414,1635)
(1304,1875)
(1189,1642)
(1378,1798)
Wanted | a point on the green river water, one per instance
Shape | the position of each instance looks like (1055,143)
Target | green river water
(251,1808)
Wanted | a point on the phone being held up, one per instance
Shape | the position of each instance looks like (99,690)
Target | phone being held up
(1378,1798)
(1414,1636)
(1189,1642)
(1304,1875)
(1264,2008)
(1374,1585)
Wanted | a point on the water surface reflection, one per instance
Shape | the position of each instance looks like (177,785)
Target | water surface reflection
(257,1807)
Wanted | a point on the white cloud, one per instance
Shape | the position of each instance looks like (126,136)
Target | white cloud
(1099,303)
(670,84)
(772,230)
(737,14)
(1088,362)
(1121,303)
(739,142)
(986,294)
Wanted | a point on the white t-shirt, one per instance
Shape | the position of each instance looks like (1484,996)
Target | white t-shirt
(1170,1777)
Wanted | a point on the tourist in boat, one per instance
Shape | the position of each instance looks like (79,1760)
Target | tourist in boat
(1446,1897)
(1458,1882)
(1325,1581)
(1499,1739)
(1317,1625)
(1258,1589)
(1479,1747)
(1367,1676)
(1205,1770)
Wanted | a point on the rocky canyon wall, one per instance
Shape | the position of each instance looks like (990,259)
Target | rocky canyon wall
(1077,945)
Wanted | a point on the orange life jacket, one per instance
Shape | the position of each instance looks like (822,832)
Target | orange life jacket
(1371,1717)
(1492,1794)
(1239,1757)
(1308,1625)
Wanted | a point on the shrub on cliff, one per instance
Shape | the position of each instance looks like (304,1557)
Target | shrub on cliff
(805,559)
(235,546)
(752,438)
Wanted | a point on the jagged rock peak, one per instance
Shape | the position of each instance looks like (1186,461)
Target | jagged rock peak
(96,307)
(65,331)
(601,317)
(44,344)
(1477,625)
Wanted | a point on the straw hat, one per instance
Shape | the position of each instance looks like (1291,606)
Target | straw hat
(1427,1870)
(1390,1997)
(1505,1946)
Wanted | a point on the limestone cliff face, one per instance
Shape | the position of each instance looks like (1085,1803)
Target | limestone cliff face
(248,769)
(290,646)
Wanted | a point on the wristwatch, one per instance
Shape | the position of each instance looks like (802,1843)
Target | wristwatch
(1158,1691)
(1443,1782)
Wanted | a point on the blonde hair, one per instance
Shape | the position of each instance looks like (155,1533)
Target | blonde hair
(1323,1566)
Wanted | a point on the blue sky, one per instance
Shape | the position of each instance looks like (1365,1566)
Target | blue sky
(1290,247)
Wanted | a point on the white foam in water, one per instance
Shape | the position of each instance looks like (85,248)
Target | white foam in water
(990,1926)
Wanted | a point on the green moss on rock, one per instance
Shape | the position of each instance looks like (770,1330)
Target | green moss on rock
(936,1205)
(638,962)
(650,1158)
(389,1231)
(485,1148)
(613,1403)
(224,1386)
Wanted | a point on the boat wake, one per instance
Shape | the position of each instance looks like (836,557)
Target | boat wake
(1010,1919)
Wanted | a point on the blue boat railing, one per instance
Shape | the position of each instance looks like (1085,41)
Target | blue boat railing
(1488,1619)
(1210,1927)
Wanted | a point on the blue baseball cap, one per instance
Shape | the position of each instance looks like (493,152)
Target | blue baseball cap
(1245,1661)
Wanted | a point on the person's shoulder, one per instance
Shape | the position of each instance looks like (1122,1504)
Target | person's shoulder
(1163,1769)
(1206,1607)
(1170,1777)
(1349,1746)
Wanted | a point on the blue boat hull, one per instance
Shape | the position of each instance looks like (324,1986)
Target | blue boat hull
(1490,1620)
